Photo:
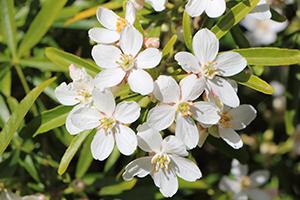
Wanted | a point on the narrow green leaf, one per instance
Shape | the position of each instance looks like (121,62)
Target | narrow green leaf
(42,64)
(253,82)
(51,119)
(85,159)
(117,188)
(41,24)
(71,151)
(8,25)
(169,46)
(289,116)
(28,164)
(187,32)
(240,154)
(112,159)
(18,115)
(239,37)
(233,17)
(266,56)
(276,16)
(63,60)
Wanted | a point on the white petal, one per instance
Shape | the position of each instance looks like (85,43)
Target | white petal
(131,41)
(161,117)
(149,58)
(205,45)
(259,178)
(166,181)
(215,8)
(126,140)
(205,112)
(107,18)
(224,90)
(104,101)
(262,11)
(106,56)
(140,167)
(103,36)
(191,87)
(240,196)
(188,62)
(109,78)
(86,118)
(130,12)
(149,140)
(230,63)
(229,185)
(78,74)
(102,145)
(186,131)
(186,169)
(237,169)
(258,194)
(127,112)
(166,89)
(241,116)
(231,137)
(66,94)
(195,7)
(71,128)
(173,145)
(158,5)
(140,82)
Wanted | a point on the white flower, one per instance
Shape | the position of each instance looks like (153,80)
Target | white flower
(213,8)
(110,120)
(232,120)
(210,66)
(262,32)
(158,5)
(262,11)
(243,186)
(165,161)
(126,62)
(177,104)
(112,24)
(77,93)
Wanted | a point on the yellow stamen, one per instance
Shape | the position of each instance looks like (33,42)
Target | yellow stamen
(225,120)
(127,62)
(107,123)
(121,24)
(160,161)
(245,182)
(209,70)
(184,109)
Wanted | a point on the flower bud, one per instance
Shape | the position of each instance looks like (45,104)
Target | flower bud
(151,42)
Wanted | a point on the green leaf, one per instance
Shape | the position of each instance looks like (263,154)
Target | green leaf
(276,16)
(40,25)
(28,164)
(71,151)
(253,82)
(117,188)
(187,32)
(42,64)
(169,47)
(51,119)
(85,159)
(8,25)
(18,115)
(63,60)
(240,154)
(233,17)
(266,56)
(289,117)
(112,159)
(239,37)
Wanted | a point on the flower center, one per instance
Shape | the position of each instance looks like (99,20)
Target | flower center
(209,70)
(245,182)
(127,62)
(84,95)
(184,109)
(160,161)
(225,120)
(121,24)
(107,123)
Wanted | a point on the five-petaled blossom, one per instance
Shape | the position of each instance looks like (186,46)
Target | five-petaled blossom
(126,62)
(110,121)
(112,24)
(176,103)
(165,161)
(243,186)
(157,5)
(77,93)
(230,121)
(210,66)
(213,8)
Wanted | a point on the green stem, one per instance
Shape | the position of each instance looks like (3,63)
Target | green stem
(25,86)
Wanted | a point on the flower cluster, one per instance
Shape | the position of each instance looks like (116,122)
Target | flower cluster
(204,102)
